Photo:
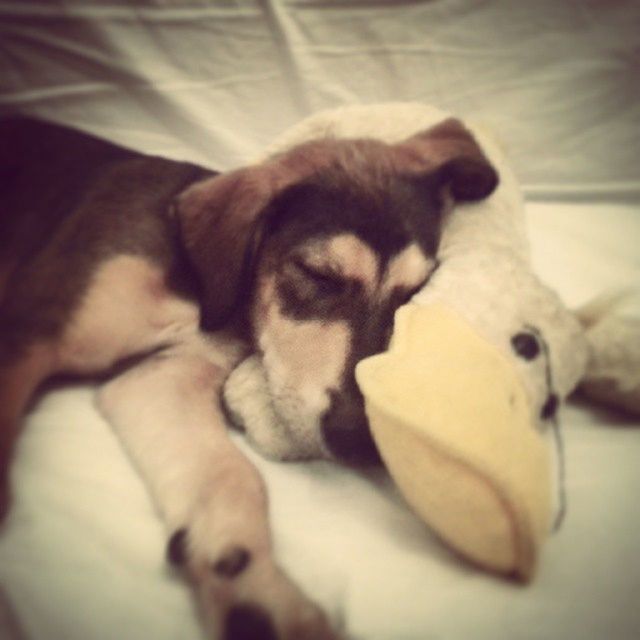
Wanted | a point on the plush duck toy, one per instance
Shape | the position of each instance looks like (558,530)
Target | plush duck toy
(463,406)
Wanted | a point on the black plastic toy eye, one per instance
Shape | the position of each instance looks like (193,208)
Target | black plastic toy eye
(550,407)
(526,345)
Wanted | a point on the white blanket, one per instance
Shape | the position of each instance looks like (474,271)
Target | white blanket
(81,556)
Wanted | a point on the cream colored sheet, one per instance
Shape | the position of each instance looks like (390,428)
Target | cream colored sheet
(82,555)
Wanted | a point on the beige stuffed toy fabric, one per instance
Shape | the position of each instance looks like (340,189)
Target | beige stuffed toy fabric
(463,406)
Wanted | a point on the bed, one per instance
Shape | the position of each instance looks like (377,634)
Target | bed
(82,553)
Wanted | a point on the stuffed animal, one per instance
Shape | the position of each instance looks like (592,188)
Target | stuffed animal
(464,405)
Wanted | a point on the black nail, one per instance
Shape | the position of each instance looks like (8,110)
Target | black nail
(550,407)
(177,548)
(232,563)
(248,622)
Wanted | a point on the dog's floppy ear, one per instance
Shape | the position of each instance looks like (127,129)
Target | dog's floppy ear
(219,220)
(222,219)
(450,150)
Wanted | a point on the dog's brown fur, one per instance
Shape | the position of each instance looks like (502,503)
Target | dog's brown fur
(170,274)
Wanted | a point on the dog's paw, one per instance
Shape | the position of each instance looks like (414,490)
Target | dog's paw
(283,613)
(243,595)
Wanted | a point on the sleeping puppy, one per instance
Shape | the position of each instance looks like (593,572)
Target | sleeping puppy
(160,276)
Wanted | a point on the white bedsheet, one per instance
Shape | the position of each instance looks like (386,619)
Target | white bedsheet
(82,554)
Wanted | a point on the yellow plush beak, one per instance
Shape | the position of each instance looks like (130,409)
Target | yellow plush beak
(453,424)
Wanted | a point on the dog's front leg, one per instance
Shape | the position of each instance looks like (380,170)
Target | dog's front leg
(212,498)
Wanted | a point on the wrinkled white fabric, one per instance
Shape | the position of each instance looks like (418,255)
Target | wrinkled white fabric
(216,82)
(558,79)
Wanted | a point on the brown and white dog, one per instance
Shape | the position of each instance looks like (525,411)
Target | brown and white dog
(159,276)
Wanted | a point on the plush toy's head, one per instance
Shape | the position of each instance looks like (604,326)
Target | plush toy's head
(458,431)
(463,406)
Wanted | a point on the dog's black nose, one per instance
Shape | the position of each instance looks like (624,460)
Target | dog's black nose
(248,622)
(351,445)
(346,433)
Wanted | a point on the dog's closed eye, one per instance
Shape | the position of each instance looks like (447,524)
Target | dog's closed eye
(305,281)
(327,281)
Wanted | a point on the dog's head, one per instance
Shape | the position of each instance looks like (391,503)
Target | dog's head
(319,246)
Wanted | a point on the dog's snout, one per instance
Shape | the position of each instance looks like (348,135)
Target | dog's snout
(345,431)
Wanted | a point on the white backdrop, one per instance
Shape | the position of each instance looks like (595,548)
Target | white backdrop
(82,555)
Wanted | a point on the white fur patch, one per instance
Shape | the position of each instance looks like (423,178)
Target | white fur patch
(408,269)
(354,259)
